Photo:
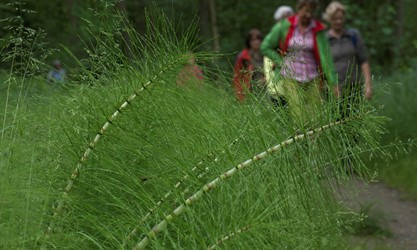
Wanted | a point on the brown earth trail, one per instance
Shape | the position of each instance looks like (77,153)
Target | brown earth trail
(399,215)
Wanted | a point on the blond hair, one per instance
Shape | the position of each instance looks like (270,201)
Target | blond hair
(332,8)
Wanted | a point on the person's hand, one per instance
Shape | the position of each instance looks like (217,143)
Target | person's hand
(262,81)
(368,92)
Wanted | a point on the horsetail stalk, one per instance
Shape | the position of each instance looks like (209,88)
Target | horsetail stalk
(93,143)
(162,200)
(177,185)
(228,236)
(144,242)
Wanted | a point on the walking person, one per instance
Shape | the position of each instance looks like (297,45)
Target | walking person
(248,69)
(275,90)
(350,58)
(299,48)
(191,73)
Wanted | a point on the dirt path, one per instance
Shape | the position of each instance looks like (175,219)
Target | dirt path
(399,215)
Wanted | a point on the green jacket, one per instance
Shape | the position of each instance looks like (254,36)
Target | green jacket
(275,45)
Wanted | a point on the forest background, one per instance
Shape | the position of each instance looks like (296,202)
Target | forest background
(387,25)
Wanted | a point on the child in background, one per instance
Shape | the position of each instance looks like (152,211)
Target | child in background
(57,74)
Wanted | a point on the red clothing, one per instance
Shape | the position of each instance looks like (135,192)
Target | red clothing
(243,74)
(300,63)
(316,27)
(282,32)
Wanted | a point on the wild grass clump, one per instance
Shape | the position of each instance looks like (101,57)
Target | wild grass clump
(25,136)
(136,160)
(373,223)
(130,171)
(399,106)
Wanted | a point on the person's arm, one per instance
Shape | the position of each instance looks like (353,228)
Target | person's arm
(269,45)
(366,69)
(327,65)
(363,61)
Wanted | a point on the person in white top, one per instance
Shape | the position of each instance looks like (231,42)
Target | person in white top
(283,12)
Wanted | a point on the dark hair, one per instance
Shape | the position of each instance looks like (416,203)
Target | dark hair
(311,3)
(251,34)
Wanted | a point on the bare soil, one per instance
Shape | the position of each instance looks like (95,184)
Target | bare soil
(398,215)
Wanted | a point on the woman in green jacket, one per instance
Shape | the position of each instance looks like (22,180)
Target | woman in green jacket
(299,49)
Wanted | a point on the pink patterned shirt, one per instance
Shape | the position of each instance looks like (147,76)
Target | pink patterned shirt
(300,63)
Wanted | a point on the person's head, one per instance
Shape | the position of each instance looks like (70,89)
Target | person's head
(254,39)
(283,12)
(57,64)
(305,11)
(191,58)
(335,15)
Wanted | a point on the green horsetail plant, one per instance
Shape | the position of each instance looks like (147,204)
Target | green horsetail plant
(143,187)
(100,133)
(228,174)
(172,126)
(227,237)
(151,132)
(212,156)
(152,47)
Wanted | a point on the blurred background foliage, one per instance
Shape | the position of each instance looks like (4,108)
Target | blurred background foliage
(387,25)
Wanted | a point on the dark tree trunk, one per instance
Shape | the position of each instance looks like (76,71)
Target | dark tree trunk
(400,18)
(73,19)
(204,23)
(213,24)
(208,22)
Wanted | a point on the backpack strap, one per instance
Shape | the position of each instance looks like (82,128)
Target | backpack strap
(353,37)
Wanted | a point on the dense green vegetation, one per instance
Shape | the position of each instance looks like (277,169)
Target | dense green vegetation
(133,150)
(400,106)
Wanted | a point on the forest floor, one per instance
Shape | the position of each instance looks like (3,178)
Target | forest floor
(392,216)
